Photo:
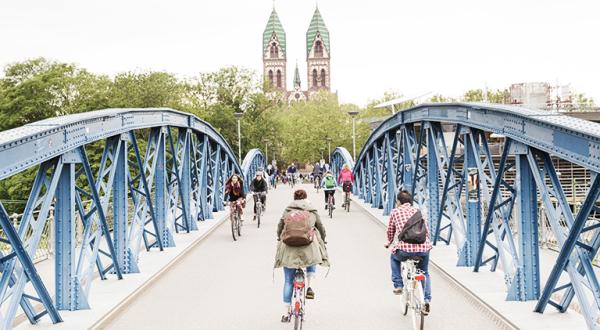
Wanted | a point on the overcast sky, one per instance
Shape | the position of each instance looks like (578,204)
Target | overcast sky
(377,45)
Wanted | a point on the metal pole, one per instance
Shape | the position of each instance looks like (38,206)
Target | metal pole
(239,140)
(329,149)
(267,153)
(354,137)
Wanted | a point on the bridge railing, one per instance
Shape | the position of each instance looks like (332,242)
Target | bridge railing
(115,182)
(489,206)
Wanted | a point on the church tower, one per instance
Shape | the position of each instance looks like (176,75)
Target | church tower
(274,54)
(318,54)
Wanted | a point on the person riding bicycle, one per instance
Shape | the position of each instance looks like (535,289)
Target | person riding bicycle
(329,185)
(272,174)
(317,174)
(346,178)
(292,257)
(259,186)
(234,190)
(291,172)
(401,251)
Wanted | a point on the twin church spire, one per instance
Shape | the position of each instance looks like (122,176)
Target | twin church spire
(317,58)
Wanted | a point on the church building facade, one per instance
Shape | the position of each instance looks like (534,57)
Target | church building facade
(318,60)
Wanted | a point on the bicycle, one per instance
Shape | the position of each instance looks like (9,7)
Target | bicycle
(347,188)
(318,183)
(412,295)
(330,205)
(235,217)
(298,300)
(274,182)
(292,180)
(258,206)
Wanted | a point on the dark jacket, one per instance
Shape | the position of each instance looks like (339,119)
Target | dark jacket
(233,193)
(258,185)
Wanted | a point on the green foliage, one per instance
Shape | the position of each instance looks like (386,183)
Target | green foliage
(501,96)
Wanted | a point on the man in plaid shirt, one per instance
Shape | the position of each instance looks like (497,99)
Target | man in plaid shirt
(402,251)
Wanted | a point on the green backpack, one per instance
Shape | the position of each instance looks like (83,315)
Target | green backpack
(329,182)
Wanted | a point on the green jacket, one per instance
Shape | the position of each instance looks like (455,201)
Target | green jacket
(302,256)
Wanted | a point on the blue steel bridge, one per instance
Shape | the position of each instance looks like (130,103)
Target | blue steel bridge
(161,175)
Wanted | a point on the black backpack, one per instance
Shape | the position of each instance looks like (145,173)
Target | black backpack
(414,231)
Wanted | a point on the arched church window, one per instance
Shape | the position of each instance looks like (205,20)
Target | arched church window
(274,51)
(323,77)
(318,49)
(271,78)
(315,78)
(279,79)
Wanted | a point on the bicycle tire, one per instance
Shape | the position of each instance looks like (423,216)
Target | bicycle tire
(418,303)
(405,309)
(297,323)
(239,225)
(347,203)
(422,321)
(258,214)
(233,230)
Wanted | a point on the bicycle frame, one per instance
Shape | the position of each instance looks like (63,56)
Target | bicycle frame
(298,298)
(413,296)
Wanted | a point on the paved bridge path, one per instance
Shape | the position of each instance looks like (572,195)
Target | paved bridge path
(222,284)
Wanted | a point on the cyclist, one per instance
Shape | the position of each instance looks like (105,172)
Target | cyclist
(346,178)
(317,174)
(272,174)
(329,185)
(234,190)
(257,186)
(402,251)
(291,172)
(307,256)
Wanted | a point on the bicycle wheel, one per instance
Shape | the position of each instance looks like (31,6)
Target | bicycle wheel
(347,203)
(233,229)
(258,214)
(406,300)
(297,323)
(239,225)
(417,303)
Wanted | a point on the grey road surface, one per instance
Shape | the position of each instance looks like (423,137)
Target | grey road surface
(223,284)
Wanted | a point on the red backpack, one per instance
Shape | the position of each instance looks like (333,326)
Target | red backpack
(297,230)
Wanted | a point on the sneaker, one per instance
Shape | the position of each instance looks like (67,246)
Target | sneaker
(426,309)
(285,318)
(398,291)
(310,294)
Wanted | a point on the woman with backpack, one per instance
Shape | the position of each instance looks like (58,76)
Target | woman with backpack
(301,244)
(329,185)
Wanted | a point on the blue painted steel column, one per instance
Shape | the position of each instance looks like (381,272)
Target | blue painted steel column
(186,179)
(120,201)
(377,200)
(216,175)
(205,158)
(526,285)
(391,176)
(473,202)
(160,194)
(432,179)
(68,292)
(408,139)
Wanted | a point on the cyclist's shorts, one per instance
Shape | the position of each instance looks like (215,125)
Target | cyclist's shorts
(347,186)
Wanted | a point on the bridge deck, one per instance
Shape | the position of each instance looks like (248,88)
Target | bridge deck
(225,285)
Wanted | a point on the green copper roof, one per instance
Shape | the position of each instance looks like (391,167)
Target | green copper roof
(274,26)
(317,25)
(297,82)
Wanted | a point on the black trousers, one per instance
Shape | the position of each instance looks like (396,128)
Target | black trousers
(327,193)
(263,200)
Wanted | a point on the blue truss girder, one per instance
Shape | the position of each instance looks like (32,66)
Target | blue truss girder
(187,164)
(505,195)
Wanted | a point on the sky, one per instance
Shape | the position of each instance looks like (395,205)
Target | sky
(407,47)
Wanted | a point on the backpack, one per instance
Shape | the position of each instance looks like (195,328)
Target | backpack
(414,231)
(297,230)
(329,182)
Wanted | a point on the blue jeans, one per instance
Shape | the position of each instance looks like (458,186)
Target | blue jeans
(400,256)
(288,284)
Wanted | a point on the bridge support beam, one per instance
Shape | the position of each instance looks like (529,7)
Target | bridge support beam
(68,292)
(433,201)
(468,252)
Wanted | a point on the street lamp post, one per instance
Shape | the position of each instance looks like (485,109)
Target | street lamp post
(353,114)
(329,148)
(238,116)
(266,141)
(321,150)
